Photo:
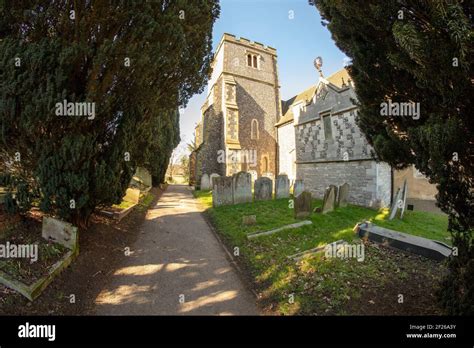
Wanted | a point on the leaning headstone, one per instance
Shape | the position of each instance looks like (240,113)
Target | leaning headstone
(343,195)
(59,232)
(144,175)
(242,187)
(298,187)
(336,191)
(248,220)
(302,205)
(282,186)
(263,188)
(211,177)
(205,184)
(395,204)
(329,199)
(222,193)
(404,198)
(132,195)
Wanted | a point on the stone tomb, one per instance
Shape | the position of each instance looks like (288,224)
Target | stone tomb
(329,200)
(282,187)
(418,245)
(242,187)
(343,195)
(222,193)
(302,205)
(56,231)
(205,183)
(298,187)
(263,188)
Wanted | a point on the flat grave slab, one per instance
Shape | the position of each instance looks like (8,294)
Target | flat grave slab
(417,245)
(299,256)
(286,227)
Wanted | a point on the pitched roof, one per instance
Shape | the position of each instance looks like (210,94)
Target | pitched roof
(287,112)
(336,78)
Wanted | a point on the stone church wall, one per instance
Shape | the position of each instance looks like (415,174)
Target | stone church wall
(311,142)
(286,150)
(360,175)
(257,101)
(212,130)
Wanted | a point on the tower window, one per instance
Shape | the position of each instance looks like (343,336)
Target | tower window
(254,130)
(252,60)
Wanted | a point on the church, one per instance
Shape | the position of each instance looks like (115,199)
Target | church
(313,136)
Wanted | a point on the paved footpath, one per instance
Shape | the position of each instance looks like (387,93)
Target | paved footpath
(176,267)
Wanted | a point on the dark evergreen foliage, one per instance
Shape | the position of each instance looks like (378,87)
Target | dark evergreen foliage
(419,51)
(81,162)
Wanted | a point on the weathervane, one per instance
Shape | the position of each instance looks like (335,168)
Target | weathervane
(318,63)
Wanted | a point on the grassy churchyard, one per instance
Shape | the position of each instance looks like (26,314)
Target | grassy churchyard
(385,281)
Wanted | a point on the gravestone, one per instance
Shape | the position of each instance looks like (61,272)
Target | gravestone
(399,202)
(336,191)
(60,232)
(222,193)
(343,195)
(263,188)
(302,205)
(282,187)
(144,175)
(329,199)
(132,195)
(248,220)
(205,184)
(298,187)
(242,187)
(404,198)
(211,178)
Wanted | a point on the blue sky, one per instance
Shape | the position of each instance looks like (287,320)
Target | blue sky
(298,41)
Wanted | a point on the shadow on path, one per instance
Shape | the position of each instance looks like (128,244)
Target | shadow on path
(176,267)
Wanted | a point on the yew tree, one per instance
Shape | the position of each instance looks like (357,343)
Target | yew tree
(136,62)
(419,52)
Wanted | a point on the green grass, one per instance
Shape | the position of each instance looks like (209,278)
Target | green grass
(145,201)
(123,205)
(418,223)
(276,277)
(205,197)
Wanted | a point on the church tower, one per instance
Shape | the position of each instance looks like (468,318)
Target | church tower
(237,129)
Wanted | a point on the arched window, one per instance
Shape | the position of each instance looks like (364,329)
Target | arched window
(265,164)
(252,60)
(254,130)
